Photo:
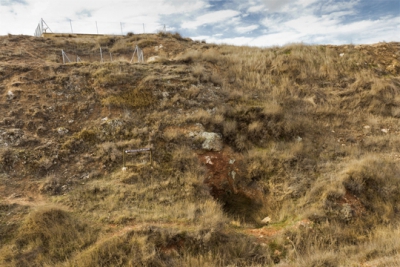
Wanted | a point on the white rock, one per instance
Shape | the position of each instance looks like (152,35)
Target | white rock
(367,127)
(62,130)
(299,139)
(341,54)
(208,160)
(266,220)
(123,169)
(212,141)
(156,59)
(10,95)
(384,130)
(231,161)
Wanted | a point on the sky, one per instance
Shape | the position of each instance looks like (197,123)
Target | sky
(260,23)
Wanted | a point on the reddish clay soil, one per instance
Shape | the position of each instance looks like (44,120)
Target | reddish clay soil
(226,177)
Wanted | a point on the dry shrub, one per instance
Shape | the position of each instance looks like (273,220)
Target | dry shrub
(105,41)
(189,56)
(229,128)
(127,250)
(198,70)
(212,56)
(110,151)
(207,215)
(153,246)
(48,236)
(236,95)
(376,182)
(171,134)
(242,143)
(87,135)
(184,159)
(122,46)
(216,79)
(146,43)
(137,97)
(255,127)
(201,116)
(218,119)
(7,159)
(192,92)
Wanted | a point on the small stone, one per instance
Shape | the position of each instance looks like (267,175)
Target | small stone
(123,169)
(208,160)
(266,220)
(367,127)
(299,139)
(384,130)
(62,130)
(231,161)
(233,174)
(341,54)
(10,95)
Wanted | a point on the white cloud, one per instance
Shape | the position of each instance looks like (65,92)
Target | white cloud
(279,21)
(234,40)
(246,28)
(332,6)
(255,9)
(24,18)
(210,18)
(276,5)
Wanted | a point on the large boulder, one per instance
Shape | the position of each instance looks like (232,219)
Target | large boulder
(212,142)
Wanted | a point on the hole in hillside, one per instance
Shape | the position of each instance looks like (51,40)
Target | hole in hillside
(227,184)
(240,205)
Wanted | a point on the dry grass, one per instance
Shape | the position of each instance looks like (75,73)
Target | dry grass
(314,136)
(48,236)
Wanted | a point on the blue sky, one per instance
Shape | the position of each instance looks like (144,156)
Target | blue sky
(253,22)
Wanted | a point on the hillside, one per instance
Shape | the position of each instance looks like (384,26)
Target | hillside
(282,156)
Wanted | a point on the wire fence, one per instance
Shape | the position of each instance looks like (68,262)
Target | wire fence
(103,54)
(97,27)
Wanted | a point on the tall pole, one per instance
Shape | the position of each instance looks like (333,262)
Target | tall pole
(41,25)
(70,23)
(121,28)
(143,27)
(101,55)
(97,28)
